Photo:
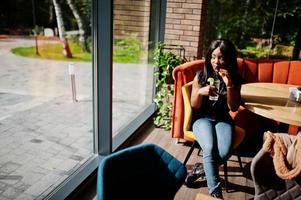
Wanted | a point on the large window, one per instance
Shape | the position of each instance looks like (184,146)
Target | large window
(63,97)
(46,127)
(132,75)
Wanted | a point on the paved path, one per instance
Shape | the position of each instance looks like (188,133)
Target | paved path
(44,136)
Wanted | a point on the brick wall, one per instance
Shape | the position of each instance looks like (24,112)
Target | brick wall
(184,25)
(131,16)
(185,21)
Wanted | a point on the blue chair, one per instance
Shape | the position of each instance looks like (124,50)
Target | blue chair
(144,171)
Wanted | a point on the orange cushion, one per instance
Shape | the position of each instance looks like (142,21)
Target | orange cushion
(280,74)
(265,71)
(241,68)
(182,74)
(251,71)
(294,76)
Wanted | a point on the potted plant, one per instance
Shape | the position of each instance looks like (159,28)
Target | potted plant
(165,61)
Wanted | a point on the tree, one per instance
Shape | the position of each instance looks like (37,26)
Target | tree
(290,18)
(254,19)
(297,47)
(61,29)
(238,25)
(80,24)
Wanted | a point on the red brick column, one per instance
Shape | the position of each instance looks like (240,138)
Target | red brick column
(185,21)
(131,16)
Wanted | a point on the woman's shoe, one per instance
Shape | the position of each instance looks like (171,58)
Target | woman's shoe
(196,173)
(217,193)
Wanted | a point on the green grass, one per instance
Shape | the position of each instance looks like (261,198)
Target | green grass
(124,51)
(53,52)
(127,50)
(279,51)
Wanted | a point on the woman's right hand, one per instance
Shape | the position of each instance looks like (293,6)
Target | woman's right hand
(198,92)
(207,90)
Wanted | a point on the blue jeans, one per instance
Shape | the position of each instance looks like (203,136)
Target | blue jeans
(215,139)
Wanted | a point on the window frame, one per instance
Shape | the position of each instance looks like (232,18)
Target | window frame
(104,144)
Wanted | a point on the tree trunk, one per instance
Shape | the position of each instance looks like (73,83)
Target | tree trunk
(297,47)
(79,21)
(61,29)
(242,35)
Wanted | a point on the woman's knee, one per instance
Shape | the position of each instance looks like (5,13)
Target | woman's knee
(224,152)
(224,133)
(201,125)
(198,123)
(224,129)
(224,147)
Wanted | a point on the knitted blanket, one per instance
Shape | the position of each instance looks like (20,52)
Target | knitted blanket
(286,152)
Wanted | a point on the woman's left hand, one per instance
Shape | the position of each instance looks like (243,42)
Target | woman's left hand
(225,76)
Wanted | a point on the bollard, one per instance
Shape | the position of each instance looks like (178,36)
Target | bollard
(72,76)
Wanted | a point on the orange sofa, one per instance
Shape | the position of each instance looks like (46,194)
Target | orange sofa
(252,70)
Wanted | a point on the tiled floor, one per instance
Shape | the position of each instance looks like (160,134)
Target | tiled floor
(44,135)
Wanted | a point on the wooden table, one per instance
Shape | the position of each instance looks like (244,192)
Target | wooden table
(271,101)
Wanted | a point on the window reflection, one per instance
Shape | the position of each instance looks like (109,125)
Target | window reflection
(44,135)
(132,75)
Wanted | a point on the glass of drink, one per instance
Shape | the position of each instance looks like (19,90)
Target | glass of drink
(216,84)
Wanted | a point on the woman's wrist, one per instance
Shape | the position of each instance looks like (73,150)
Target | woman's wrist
(200,92)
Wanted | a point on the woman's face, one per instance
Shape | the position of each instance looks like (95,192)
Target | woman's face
(217,60)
